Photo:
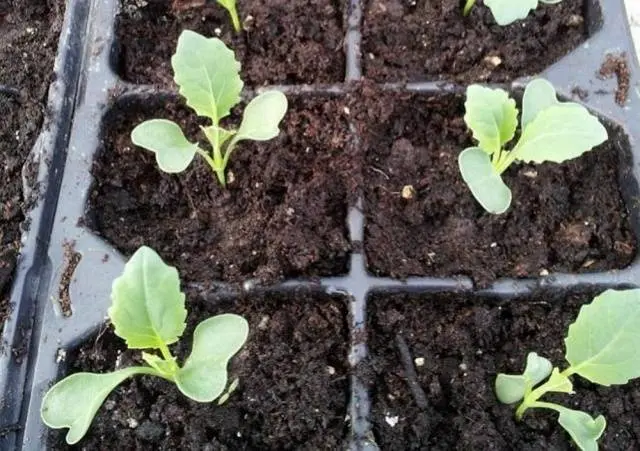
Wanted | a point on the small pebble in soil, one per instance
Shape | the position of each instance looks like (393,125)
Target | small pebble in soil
(544,272)
(391,421)
(494,61)
(132,423)
(61,355)
(419,361)
(463,367)
(331,370)
(408,192)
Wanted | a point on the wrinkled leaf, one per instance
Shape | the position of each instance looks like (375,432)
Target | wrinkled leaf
(602,344)
(207,72)
(511,388)
(583,429)
(73,402)
(215,340)
(492,117)
(262,116)
(538,96)
(508,11)
(484,181)
(560,133)
(147,308)
(165,138)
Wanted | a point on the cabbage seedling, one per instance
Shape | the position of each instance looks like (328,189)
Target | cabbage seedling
(207,73)
(508,11)
(148,312)
(601,346)
(550,131)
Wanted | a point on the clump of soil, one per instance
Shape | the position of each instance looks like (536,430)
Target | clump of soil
(617,66)
(567,217)
(29,32)
(283,42)
(427,40)
(464,343)
(283,213)
(293,388)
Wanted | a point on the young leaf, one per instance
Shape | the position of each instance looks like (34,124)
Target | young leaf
(508,11)
(262,116)
(560,133)
(538,96)
(511,388)
(559,383)
(215,340)
(602,344)
(73,402)
(147,308)
(230,6)
(491,115)
(584,430)
(164,138)
(207,73)
(483,180)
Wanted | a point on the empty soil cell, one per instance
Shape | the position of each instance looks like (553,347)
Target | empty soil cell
(283,42)
(29,32)
(567,217)
(464,344)
(293,389)
(282,215)
(430,40)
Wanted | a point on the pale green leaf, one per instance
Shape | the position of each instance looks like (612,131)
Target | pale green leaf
(215,340)
(73,402)
(492,117)
(262,116)
(207,72)
(511,388)
(165,138)
(559,383)
(583,429)
(167,367)
(147,308)
(508,11)
(538,96)
(222,134)
(230,6)
(559,133)
(483,180)
(602,344)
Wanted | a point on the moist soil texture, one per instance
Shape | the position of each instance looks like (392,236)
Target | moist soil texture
(283,41)
(567,217)
(429,40)
(459,346)
(282,215)
(29,32)
(293,389)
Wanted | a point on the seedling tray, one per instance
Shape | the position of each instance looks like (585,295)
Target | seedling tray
(70,292)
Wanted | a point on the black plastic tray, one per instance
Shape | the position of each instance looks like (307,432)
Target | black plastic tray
(53,332)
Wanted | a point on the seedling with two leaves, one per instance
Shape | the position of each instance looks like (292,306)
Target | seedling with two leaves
(506,12)
(601,346)
(208,75)
(148,312)
(550,131)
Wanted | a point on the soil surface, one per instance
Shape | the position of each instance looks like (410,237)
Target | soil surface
(29,32)
(567,217)
(283,42)
(464,345)
(293,390)
(283,213)
(427,40)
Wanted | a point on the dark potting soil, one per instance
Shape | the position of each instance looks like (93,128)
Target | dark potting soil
(464,344)
(283,213)
(293,390)
(283,42)
(426,40)
(29,32)
(567,217)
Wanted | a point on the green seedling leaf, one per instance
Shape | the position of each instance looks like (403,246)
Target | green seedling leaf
(559,382)
(208,75)
(165,138)
(602,343)
(508,11)
(165,367)
(73,402)
(215,340)
(262,117)
(484,181)
(511,388)
(147,305)
(583,429)
(492,117)
(538,96)
(230,6)
(560,133)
